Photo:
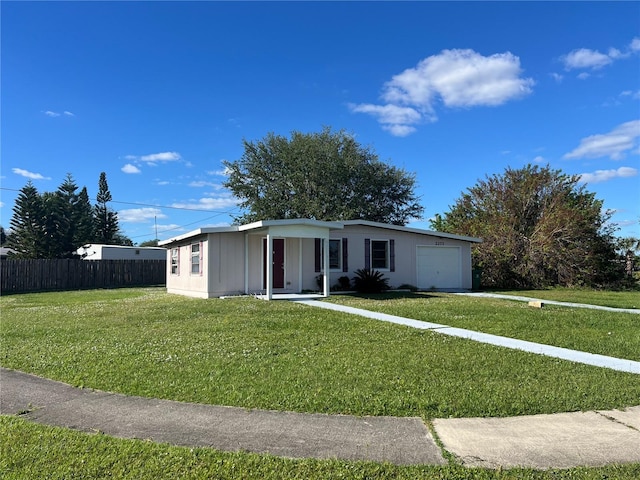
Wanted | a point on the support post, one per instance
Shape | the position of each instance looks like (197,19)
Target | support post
(246,263)
(299,265)
(269,266)
(325,268)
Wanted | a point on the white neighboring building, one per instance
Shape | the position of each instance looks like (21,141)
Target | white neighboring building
(119,252)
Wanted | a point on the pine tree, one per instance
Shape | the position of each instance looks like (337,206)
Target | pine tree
(83,219)
(105,219)
(27,230)
(65,205)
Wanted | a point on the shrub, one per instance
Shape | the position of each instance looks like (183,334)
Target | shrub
(344,283)
(370,281)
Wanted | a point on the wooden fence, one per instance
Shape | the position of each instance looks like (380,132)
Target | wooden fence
(21,276)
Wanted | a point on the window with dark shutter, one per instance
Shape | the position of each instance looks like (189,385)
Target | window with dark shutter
(392,255)
(345,254)
(367,254)
(318,254)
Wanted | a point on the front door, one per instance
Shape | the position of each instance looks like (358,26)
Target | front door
(278,263)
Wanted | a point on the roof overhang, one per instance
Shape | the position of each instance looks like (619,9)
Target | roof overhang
(308,228)
(420,231)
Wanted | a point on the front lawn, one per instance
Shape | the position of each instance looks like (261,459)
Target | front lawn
(29,451)
(605,298)
(284,356)
(615,334)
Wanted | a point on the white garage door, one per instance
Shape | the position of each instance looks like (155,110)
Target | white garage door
(438,267)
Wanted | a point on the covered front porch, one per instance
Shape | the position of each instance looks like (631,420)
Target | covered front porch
(281,257)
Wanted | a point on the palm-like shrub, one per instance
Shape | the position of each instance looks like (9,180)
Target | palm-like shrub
(370,281)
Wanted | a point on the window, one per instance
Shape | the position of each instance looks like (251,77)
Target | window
(195,258)
(335,254)
(380,254)
(175,261)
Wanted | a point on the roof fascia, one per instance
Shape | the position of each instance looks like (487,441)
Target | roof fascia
(199,232)
(420,231)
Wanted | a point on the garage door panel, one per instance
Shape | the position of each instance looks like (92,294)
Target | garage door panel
(438,267)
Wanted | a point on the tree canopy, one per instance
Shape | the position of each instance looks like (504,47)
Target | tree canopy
(539,228)
(56,224)
(323,176)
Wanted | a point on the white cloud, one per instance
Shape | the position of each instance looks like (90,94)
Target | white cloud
(456,78)
(154,158)
(161,157)
(614,144)
(605,175)
(630,93)
(462,78)
(209,203)
(539,159)
(202,183)
(399,130)
(171,227)
(140,215)
(221,173)
(28,174)
(556,76)
(388,114)
(128,168)
(66,113)
(587,59)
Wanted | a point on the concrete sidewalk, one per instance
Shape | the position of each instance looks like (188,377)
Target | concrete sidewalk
(618,364)
(539,441)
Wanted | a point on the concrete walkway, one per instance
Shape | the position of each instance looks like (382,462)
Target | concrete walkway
(619,364)
(550,302)
(539,441)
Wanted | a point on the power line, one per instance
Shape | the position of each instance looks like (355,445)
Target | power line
(144,204)
(217,212)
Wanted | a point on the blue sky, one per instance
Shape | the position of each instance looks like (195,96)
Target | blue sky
(158,94)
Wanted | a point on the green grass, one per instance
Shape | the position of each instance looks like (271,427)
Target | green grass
(605,298)
(30,451)
(283,356)
(615,334)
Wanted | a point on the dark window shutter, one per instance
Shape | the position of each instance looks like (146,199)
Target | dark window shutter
(392,255)
(367,254)
(201,254)
(345,256)
(318,249)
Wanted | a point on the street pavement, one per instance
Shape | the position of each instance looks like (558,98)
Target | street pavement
(538,441)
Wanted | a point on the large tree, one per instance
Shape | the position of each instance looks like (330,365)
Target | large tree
(27,230)
(539,227)
(106,229)
(323,176)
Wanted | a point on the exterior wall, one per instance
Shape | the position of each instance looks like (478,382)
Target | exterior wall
(309,273)
(185,282)
(118,252)
(224,264)
(405,246)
